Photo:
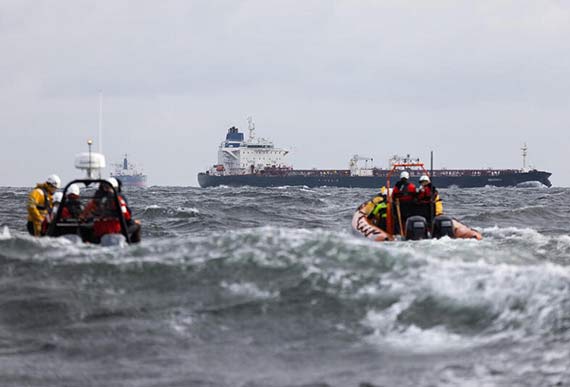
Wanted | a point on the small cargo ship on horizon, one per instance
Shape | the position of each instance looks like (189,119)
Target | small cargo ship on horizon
(129,174)
(257,162)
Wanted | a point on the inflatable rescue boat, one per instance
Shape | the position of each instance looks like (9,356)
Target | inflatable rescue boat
(91,210)
(415,227)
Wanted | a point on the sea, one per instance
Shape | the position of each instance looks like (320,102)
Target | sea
(270,287)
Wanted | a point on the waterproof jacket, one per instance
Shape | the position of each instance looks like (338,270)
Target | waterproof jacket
(105,214)
(428,194)
(404,191)
(39,205)
(375,208)
(71,209)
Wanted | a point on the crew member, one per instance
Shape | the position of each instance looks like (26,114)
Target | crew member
(133,225)
(428,201)
(375,209)
(40,203)
(50,216)
(106,218)
(403,196)
(103,210)
(72,208)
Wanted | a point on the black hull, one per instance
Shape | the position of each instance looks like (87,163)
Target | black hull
(502,180)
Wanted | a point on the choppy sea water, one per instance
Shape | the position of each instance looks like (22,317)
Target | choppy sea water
(269,287)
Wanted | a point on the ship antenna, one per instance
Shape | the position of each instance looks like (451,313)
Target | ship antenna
(100,121)
(89,143)
(524,150)
(251,127)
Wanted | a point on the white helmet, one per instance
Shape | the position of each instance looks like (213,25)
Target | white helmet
(424,178)
(57,197)
(73,189)
(113,182)
(404,175)
(54,180)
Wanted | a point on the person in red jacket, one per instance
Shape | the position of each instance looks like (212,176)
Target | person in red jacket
(429,202)
(133,225)
(72,208)
(103,210)
(403,196)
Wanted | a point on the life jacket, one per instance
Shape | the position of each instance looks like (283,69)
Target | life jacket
(125,208)
(71,209)
(106,226)
(425,194)
(404,191)
(369,206)
(380,210)
(47,204)
(428,194)
(107,221)
(39,207)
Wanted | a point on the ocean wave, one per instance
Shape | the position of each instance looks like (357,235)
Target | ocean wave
(277,275)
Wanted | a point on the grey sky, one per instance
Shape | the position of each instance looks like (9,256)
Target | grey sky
(471,80)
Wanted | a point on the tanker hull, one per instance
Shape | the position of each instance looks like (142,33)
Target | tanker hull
(331,180)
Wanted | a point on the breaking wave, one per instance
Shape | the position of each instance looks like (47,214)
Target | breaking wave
(239,284)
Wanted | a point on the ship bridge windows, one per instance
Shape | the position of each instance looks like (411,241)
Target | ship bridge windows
(231,145)
(259,146)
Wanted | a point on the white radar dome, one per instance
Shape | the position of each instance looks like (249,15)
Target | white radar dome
(93,161)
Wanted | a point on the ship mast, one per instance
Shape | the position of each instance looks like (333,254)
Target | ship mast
(100,121)
(524,150)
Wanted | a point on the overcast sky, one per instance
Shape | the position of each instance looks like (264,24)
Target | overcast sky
(472,80)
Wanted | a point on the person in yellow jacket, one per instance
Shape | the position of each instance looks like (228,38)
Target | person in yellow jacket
(40,203)
(376,208)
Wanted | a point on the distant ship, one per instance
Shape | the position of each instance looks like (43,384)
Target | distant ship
(257,162)
(129,175)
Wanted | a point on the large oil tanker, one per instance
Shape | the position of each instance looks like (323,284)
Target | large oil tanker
(257,162)
(129,175)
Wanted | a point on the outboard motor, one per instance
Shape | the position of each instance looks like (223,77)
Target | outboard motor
(416,228)
(442,226)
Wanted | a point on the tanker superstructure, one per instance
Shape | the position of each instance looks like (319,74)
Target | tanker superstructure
(257,162)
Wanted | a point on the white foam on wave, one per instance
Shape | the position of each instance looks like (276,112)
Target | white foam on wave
(520,301)
(5,233)
(182,323)
(532,242)
(513,232)
(191,210)
(387,331)
(248,289)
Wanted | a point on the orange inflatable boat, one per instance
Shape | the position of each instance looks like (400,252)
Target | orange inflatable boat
(363,225)
(416,227)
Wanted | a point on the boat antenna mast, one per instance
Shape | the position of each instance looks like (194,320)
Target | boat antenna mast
(251,128)
(90,164)
(524,150)
(100,121)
